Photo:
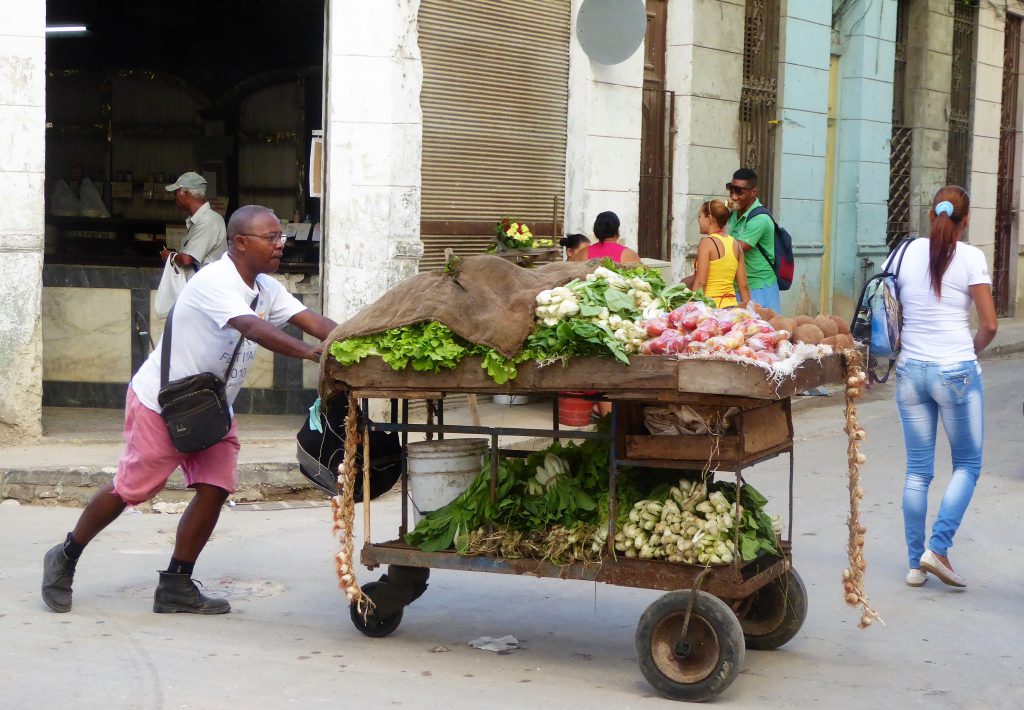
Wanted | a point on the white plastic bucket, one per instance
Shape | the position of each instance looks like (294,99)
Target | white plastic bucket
(440,470)
(511,400)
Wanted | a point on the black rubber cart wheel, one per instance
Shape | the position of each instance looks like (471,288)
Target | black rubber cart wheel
(774,614)
(372,625)
(703,664)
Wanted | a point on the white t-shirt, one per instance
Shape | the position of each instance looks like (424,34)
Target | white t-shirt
(202,340)
(937,329)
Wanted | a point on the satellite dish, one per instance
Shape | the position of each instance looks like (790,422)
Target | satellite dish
(610,31)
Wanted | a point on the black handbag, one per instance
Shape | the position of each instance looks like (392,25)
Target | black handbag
(194,408)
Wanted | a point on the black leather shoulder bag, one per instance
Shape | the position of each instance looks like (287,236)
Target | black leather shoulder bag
(194,408)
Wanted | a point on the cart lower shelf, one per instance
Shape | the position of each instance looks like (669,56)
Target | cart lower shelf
(725,581)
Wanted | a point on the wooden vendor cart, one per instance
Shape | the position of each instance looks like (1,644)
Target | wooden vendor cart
(691,641)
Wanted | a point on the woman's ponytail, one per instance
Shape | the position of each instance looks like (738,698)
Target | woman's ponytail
(949,207)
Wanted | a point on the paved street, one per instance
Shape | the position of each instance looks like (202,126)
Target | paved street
(289,642)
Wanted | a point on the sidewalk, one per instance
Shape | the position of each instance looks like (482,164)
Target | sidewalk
(80,447)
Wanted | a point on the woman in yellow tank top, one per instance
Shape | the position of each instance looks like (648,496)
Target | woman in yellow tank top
(719,270)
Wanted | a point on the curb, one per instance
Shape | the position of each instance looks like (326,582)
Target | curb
(76,486)
(998,351)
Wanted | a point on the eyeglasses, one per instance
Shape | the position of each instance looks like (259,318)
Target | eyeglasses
(736,189)
(272,238)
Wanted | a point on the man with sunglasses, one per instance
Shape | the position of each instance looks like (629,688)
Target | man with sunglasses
(234,297)
(752,232)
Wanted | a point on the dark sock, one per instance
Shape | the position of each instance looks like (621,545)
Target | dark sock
(72,550)
(180,566)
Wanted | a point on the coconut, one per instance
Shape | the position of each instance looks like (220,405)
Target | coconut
(781,323)
(842,325)
(808,333)
(827,325)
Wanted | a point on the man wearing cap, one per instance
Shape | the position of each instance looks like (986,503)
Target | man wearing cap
(206,240)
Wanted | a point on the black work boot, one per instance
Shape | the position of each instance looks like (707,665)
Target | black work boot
(178,594)
(58,573)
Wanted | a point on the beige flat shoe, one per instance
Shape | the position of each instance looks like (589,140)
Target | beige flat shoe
(931,563)
(916,578)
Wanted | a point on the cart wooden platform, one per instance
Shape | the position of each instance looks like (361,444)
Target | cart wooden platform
(691,641)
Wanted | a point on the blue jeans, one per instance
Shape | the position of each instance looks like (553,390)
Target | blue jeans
(766,297)
(926,391)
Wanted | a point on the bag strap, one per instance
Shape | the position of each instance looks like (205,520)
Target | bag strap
(757,212)
(897,255)
(165,350)
(875,379)
(165,346)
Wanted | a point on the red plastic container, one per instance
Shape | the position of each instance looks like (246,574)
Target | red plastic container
(573,410)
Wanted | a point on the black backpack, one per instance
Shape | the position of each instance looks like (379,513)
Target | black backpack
(784,264)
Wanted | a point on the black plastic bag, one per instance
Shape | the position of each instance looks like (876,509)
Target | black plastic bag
(320,454)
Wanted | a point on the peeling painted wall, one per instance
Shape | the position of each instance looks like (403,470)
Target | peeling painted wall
(929,75)
(805,51)
(704,67)
(867,34)
(22,161)
(603,143)
(373,141)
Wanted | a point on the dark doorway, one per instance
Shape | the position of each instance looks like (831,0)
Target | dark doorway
(1006,179)
(654,222)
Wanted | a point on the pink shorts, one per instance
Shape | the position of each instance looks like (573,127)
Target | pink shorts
(149,457)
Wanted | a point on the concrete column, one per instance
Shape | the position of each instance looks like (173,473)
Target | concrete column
(373,140)
(805,53)
(22,151)
(929,74)
(866,36)
(705,70)
(602,162)
(988,156)
(985,121)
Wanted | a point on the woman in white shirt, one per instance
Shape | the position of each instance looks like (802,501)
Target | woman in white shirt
(937,376)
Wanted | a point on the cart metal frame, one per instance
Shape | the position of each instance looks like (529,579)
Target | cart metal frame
(733,582)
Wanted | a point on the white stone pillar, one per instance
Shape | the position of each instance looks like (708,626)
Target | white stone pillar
(929,76)
(373,146)
(985,122)
(602,161)
(705,71)
(22,153)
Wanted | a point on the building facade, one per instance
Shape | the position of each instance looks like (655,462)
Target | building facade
(853,112)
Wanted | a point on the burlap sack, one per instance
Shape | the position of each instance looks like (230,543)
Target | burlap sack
(490,301)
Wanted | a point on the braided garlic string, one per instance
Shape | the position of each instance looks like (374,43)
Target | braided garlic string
(343,508)
(853,576)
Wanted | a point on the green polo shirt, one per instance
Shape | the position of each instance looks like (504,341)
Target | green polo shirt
(759,230)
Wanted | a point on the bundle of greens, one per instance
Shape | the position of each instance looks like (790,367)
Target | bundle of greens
(697,523)
(426,347)
(565,485)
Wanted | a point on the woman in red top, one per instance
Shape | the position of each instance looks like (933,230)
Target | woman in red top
(606,229)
